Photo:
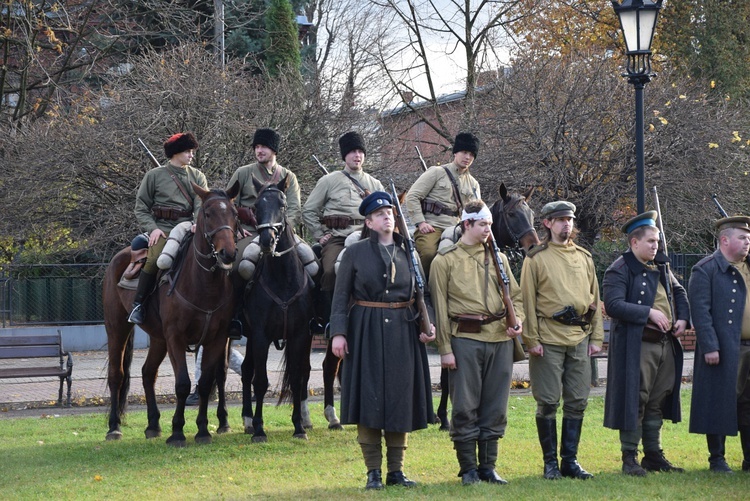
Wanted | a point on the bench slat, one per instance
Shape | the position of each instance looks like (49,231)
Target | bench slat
(19,372)
(30,340)
(29,351)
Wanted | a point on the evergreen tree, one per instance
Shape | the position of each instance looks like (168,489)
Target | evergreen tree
(282,40)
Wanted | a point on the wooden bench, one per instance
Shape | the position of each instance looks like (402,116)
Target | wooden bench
(22,349)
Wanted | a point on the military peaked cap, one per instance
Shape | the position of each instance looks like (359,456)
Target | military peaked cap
(741,222)
(645,219)
(561,208)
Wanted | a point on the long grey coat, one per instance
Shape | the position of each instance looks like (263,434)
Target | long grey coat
(385,380)
(629,289)
(717,303)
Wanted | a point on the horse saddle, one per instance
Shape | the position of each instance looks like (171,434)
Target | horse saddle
(129,279)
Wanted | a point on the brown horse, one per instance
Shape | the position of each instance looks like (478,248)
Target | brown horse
(513,228)
(195,308)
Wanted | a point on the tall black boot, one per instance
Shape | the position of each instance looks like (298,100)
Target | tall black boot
(716,460)
(571,435)
(547,430)
(487,459)
(745,441)
(466,453)
(145,286)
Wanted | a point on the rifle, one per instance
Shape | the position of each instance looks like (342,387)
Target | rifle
(148,152)
(424,165)
(503,285)
(718,206)
(322,167)
(663,245)
(424,317)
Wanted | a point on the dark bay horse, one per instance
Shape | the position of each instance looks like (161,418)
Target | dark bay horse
(278,306)
(513,228)
(195,309)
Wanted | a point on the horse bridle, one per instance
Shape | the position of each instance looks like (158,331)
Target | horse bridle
(505,210)
(279,227)
(209,237)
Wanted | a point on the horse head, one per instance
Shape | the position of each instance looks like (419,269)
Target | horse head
(217,222)
(513,220)
(270,212)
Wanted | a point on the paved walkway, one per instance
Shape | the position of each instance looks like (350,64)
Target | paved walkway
(89,386)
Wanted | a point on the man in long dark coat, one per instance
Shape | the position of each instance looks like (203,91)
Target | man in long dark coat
(644,369)
(718,301)
(385,382)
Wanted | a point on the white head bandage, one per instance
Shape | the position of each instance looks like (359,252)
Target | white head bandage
(482,214)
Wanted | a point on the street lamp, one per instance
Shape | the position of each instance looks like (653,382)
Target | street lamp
(638,22)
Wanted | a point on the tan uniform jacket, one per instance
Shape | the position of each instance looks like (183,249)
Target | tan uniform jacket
(435,185)
(247,195)
(552,278)
(457,286)
(336,195)
(158,188)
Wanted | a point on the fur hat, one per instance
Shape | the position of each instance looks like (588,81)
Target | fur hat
(267,137)
(465,141)
(351,141)
(179,143)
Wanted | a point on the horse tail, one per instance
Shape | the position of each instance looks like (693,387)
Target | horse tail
(285,394)
(127,361)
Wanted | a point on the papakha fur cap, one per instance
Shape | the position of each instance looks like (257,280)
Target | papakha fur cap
(179,143)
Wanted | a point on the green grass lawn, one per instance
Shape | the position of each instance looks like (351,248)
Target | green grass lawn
(68,458)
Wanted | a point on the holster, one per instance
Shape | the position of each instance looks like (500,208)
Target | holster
(170,213)
(247,216)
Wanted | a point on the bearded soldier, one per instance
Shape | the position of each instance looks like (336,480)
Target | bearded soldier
(436,199)
(165,198)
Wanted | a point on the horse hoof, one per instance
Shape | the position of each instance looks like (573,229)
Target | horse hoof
(114,435)
(223,429)
(249,430)
(260,439)
(202,440)
(335,426)
(153,434)
(177,442)
(300,436)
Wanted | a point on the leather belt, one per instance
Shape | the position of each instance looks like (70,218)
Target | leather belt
(651,335)
(390,306)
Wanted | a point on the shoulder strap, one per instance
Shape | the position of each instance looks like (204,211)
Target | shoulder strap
(456,193)
(181,187)
(360,189)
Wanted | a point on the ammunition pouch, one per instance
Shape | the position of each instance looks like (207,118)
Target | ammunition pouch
(340,222)
(472,324)
(247,216)
(437,208)
(170,213)
(569,316)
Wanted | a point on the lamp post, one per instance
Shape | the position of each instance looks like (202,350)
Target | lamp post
(638,22)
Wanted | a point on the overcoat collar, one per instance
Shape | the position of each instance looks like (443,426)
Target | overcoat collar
(722,262)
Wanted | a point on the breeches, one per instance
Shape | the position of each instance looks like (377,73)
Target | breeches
(657,379)
(427,246)
(479,389)
(330,252)
(563,371)
(153,254)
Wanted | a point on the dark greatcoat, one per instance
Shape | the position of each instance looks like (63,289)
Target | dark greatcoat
(717,303)
(385,380)
(629,289)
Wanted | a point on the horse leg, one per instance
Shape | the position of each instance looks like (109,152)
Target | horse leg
(210,362)
(260,386)
(156,353)
(330,368)
(442,411)
(120,353)
(247,391)
(182,390)
(221,380)
(298,365)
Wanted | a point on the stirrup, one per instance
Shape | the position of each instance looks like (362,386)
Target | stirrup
(136,316)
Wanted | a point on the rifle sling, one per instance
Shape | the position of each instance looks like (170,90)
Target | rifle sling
(456,192)
(357,185)
(181,187)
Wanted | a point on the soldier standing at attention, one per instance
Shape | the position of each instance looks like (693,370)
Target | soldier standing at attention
(165,198)
(721,317)
(475,344)
(562,329)
(331,211)
(644,369)
(436,199)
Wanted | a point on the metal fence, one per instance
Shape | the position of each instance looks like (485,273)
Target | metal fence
(68,294)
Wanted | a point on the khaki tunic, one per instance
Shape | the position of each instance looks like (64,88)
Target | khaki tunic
(435,185)
(158,188)
(552,278)
(457,285)
(248,194)
(336,195)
